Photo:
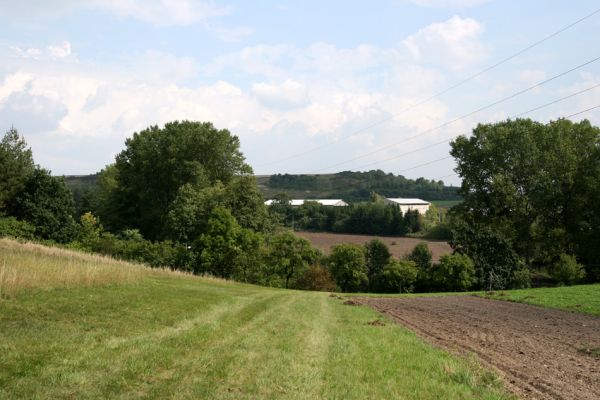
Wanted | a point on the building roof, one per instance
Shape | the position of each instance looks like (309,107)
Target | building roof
(408,202)
(325,202)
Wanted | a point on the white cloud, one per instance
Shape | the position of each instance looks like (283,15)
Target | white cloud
(454,43)
(164,12)
(60,51)
(448,3)
(287,95)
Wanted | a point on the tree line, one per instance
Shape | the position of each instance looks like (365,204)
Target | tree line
(183,196)
(355,186)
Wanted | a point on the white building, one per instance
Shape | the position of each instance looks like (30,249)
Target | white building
(410,204)
(324,202)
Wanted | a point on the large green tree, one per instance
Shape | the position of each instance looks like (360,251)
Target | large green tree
(348,267)
(530,192)
(47,203)
(157,162)
(16,165)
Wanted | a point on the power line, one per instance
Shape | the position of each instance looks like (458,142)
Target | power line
(566,117)
(440,93)
(502,100)
(511,117)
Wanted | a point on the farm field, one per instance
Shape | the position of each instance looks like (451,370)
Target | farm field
(398,246)
(542,353)
(153,334)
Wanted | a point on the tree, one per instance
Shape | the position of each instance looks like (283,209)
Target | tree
(422,257)
(566,270)
(157,161)
(454,273)
(397,276)
(47,203)
(16,165)
(225,246)
(317,278)
(290,256)
(531,191)
(348,267)
(377,255)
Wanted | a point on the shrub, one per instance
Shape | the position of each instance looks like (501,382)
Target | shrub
(566,270)
(521,278)
(348,267)
(377,256)
(10,226)
(397,276)
(454,273)
(316,278)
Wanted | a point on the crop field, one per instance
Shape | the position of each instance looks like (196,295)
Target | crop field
(398,246)
(542,353)
(156,334)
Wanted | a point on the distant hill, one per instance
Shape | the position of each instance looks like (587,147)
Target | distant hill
(347,185)
(355,186)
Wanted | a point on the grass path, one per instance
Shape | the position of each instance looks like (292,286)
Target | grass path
(177,337)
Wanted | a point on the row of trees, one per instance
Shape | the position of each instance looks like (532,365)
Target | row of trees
(370,218)
(357,186)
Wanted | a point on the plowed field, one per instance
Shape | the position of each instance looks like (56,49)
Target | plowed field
(399,246)
(541,353)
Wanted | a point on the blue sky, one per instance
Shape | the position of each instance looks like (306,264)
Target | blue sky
(311,86)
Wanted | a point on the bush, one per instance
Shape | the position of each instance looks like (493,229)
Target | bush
(566,270)
(377,256)
(521,278)
(12,227)
(454,273)
(348,267)
(398,277)
(316,278)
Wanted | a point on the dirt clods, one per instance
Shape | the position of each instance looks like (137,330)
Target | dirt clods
(351,303)
(376,322)
(537,351)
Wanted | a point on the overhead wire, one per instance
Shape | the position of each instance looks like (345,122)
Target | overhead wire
(440,93)
(487,106)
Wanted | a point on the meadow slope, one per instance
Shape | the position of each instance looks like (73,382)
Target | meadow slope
(168,335)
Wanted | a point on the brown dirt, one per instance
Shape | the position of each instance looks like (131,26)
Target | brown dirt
(536,350)
(399,246)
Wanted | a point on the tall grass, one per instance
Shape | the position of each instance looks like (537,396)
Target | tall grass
(25,266)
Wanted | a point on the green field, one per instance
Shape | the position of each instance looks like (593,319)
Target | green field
(159,335)
(582,298)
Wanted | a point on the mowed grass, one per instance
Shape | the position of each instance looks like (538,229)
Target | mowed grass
(580,298)
(171,336)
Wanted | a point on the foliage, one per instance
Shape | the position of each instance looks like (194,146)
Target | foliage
(454,273)
(157,162)
(12,227)
(16,165)
(377,255)
(422,257)
(358,186)
(290,256)
(317,278)
(348,267)
(225,246)
(47,203)
(566,270)
(398,276)
(533,190)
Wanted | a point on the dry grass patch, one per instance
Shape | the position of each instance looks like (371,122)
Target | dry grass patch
(25,266)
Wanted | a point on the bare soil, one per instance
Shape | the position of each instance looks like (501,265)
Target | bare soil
(540,352)
(399,246)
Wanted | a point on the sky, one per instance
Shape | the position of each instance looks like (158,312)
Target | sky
(308,86)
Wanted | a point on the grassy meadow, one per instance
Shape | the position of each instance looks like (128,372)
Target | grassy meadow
(90,327)
(580,298)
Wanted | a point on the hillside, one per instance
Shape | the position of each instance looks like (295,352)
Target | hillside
(153,334)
